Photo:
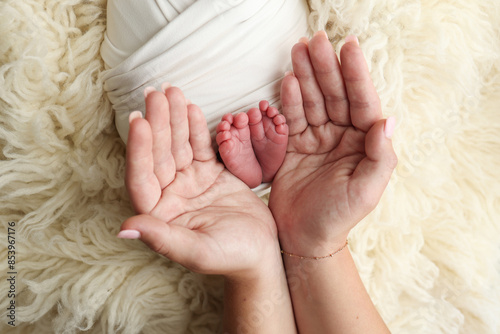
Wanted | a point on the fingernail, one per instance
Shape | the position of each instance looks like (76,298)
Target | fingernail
(352,38)
(390,125)
(134,115)
(165,86)
(321,33)
(148,90)
(304,40)
(287,73)
(129,234)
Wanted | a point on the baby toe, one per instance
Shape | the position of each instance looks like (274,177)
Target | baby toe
(228,118)
(279,119)
(264,105)
(240,121)
(254,116)
(222,137)
(272,112)
(223,126)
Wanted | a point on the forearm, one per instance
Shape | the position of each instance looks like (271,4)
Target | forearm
(329,297)
(259,304)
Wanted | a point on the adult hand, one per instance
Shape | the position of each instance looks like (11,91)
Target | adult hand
(190,208)
(339,157)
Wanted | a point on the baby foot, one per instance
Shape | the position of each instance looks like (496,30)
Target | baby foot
(269,135)
(235,148)
(253,145)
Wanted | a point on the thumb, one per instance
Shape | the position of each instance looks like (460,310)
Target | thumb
(373,173)
(177,243)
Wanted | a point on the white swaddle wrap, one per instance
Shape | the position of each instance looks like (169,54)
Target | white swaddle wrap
(226,55)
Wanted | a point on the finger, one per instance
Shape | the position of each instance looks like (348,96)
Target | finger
(372,174)
(181,149)
(199,137)
(364,102)
(142,185)
(329,76)
(175,242)
(158,116)
(291,103)
(313,99)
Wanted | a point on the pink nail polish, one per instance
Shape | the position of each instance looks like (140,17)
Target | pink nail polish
(352,38)
(390,125)
(148,90)
(304,40)
(321,33)
(134,115)
(165,86)
(129,234)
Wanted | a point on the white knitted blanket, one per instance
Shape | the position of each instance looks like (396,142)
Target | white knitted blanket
(429,254)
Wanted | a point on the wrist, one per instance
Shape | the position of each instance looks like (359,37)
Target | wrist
(259,302)
(319,245)
(268,267)
(316,257)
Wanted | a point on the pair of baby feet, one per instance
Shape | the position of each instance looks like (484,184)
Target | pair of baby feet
(253,144)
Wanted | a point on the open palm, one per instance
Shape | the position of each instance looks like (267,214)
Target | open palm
(339,158)
(191,209)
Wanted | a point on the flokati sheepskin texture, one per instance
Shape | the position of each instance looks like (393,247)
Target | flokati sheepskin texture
(429,254)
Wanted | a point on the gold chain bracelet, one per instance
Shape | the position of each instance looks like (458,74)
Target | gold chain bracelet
(316,257)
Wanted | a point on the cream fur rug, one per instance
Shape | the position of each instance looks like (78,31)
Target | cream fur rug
(429,254)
